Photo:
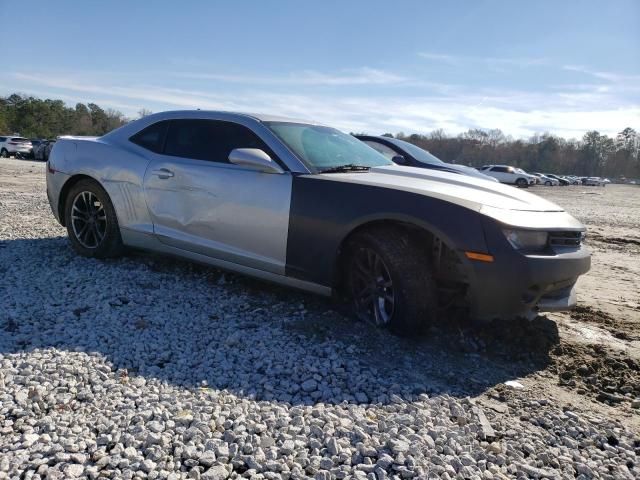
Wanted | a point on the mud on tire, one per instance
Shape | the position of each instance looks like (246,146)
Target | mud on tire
(413,288)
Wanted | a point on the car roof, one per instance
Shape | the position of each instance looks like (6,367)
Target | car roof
(393,141)
(256,116)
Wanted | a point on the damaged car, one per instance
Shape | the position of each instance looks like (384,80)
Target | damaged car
(307,206)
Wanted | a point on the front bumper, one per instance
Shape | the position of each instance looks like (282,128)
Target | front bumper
(517,284)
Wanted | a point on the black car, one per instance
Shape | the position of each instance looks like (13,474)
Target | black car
(410,155)
(42,150)
(35,143)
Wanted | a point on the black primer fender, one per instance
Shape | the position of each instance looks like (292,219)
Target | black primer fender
(323,212)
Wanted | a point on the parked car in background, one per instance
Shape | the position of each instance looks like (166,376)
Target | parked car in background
(35,143)
(563,181)
(410,155)
(510,175)
(573,179)
(595,182)
(19,147)
(42,151)
(544,180)
(308,206)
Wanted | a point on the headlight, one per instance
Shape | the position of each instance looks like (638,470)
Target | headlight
(527,239)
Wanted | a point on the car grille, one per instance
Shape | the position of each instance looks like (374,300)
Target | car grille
(565,239)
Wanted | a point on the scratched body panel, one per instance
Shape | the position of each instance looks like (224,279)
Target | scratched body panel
(221,210)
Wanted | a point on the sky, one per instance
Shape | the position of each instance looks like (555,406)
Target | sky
(562,67)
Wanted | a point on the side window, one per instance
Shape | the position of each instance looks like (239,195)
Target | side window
(499,169)
(210,140)
(152,137)
(381,148)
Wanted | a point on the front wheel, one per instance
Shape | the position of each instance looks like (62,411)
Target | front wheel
(91,221)
(547,183)
(522,183)
(4,153)
(389,281)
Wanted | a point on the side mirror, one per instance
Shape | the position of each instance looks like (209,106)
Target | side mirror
(399,159)
(255,159)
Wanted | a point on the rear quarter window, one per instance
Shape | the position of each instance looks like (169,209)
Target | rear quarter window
(152,137)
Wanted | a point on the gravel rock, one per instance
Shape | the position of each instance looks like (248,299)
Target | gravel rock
(144,367)
(309,385)
(218,472)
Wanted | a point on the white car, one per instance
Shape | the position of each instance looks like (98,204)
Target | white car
(548,181)
(510,175)
(595,182)
(16,146)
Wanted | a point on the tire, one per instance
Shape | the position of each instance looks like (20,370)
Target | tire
(547,183)
(4,153)
(101,235)
(522,183)
(405,276)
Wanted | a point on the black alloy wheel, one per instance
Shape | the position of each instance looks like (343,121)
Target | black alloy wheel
(91,221)
(372,287)
(88,220)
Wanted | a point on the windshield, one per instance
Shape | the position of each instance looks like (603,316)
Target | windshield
(418,153)
(324,148)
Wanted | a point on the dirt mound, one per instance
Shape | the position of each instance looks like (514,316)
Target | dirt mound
(518,340)
(610,376)
(592,315)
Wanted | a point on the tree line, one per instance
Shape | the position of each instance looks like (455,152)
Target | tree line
(594,154)
(36,118)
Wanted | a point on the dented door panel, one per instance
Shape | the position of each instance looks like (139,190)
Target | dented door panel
(220,210)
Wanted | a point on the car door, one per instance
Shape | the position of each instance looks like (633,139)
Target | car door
(200,202)
(502,174)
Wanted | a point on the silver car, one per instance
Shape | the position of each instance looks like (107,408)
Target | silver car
(308,206)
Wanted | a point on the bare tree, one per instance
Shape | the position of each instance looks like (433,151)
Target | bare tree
(143,112)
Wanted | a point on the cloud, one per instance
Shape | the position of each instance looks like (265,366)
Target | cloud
(566,112)
(611,77)
(360,76)
(492,62)
(439,57)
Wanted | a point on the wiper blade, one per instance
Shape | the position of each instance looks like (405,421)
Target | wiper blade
(346,168)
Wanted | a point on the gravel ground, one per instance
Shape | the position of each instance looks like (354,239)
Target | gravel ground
(144,367)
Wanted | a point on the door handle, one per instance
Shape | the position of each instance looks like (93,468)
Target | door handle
(162,173)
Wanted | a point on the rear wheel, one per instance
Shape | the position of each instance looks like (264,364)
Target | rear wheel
(547,183)
(389,281)
(4,153)
(522,183)
(91,221)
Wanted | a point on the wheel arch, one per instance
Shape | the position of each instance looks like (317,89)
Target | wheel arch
(64,192)
(425,231)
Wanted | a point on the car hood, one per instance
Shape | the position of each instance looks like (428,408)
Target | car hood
(509,205)
(463,169)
